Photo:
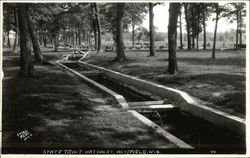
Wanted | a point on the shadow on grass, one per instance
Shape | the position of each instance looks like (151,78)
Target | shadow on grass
(224,90)
(220,78)
(46,106)
(231,61)
(215,62)
(209,78)
(11,63)
(60,111)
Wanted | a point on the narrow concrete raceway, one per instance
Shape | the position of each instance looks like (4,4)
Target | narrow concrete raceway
(72,115)
(229,122)
(185,102)
(123,104)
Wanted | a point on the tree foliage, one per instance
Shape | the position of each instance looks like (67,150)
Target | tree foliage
(77,23)
(236,12)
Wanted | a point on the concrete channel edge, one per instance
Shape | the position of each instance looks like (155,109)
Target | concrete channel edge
(123,104)
(228,122)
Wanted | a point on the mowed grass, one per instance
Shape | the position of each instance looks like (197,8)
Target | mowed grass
(61,111)
(219,83)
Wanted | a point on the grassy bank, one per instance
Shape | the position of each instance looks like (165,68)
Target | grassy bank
(60,111)
(219,82)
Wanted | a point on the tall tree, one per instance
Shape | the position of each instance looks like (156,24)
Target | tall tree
(236,12)
(36,48)
(180,25)
(142,33)
(186,7)
(26,66)
(7,21)
(133,33)
(215,28)
(95,26)
(44,37)
(237,29)
(192,15)
(119,32)
(135,13)
(204,27)
(174,9)
(49,16)
(198,25)
(240,24)
(221,11)
(16,30)
(98,25)
(193,22)
(206,11)
(151,29)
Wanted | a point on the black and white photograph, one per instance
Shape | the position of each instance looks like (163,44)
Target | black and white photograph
(142,78)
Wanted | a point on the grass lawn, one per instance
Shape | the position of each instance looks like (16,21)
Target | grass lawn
(219,83)
(60,111)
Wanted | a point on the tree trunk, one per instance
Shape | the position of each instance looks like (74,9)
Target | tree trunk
(198,26)
(17,31)
(204,31)
(215,30)
(119,32)
(44,39)
(18,39)
(73,38)
(133,33)
(15,41)
(26,66)
(95,37)
(174,9)
(51,38)
(8,39)
(181,45)
(193,40)
(114,39)
(94,25)
(4,39)
(98,26)
(151,30)
(188,27)
(36,48)
(193,27)
(87,37)
(237,30)
(83,35)
(64,37)
(79,37)
(7,20)
(40,37)
(240,31)
(55,42)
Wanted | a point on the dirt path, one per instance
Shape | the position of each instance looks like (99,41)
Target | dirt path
(57,110)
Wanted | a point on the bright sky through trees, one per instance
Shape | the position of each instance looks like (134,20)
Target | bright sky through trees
(161,21)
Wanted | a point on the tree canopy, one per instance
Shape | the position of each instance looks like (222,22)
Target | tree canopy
(83,25)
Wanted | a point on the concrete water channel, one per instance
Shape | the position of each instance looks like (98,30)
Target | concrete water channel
(180,119)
